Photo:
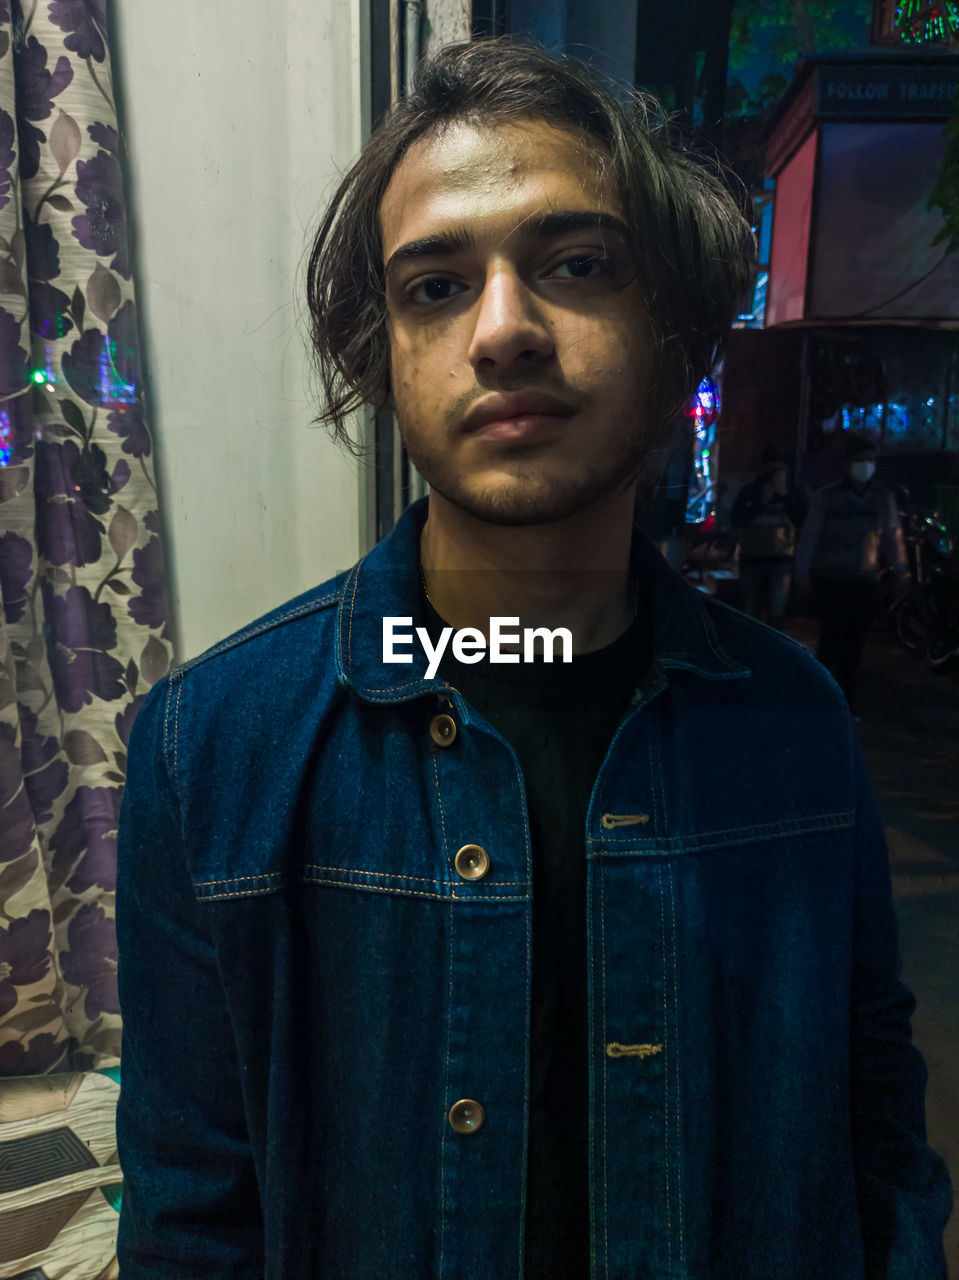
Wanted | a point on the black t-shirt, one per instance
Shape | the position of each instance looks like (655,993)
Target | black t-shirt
(560,719)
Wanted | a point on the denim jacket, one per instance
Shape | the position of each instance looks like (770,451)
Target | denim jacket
(311,980)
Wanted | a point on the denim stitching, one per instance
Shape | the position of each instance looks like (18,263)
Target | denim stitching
(419,683)
(232,642)
(656,761)
(370,888)
(454,895)
(591,1011)
(176,740)
(166,719)
(524,1163)
(382,875)
(676,1068)
(359,871)
(264,875)
(272,878)
(239,893)
(459,896)
(602,917)
(712,639)
(446,1100)
(439,801)
(695,665)
(166,736)
(771,830)
(667,1041)
(529,970)
(349,632)
(693,844)
(529,852)
(394,875)
(655,815)
(684,654)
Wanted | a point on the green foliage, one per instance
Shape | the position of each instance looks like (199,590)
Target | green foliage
(740,102)
(790,28)
(945,194)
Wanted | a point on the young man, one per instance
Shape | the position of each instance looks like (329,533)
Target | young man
(852,532)
(513,968)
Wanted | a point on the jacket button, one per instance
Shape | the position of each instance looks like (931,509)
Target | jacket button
(472,862)
(466,1116)
(443,730)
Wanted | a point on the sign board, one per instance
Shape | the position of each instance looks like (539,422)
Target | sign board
(882,91)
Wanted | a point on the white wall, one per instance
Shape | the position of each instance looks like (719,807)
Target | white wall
(447,22)
(238,117)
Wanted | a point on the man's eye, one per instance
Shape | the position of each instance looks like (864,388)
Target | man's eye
(581,267)
(434,289)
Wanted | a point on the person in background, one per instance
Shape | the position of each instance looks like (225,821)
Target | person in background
(851,533)
(766,516)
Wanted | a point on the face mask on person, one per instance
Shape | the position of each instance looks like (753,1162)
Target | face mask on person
(862,471)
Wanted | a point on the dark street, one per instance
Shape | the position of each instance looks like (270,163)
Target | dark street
(910,731)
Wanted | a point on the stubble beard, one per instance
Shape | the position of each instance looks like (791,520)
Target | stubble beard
(525,490)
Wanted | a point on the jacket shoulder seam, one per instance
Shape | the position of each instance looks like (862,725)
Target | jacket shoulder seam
(255,629)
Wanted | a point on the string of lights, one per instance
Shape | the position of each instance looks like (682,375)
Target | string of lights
(927,21)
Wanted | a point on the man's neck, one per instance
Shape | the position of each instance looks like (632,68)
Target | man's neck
(573,573)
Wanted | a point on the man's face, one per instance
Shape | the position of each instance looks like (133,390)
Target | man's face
(519,349)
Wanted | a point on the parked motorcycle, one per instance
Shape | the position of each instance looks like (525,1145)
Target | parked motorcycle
(926,620)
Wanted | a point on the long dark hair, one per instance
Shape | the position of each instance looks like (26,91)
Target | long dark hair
(694,249)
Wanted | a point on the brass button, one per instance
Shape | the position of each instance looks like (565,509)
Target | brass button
(443,730)
(472,862)
(466,1116)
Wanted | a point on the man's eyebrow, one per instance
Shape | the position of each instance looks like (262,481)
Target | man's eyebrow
(539,226)
(543,226)
(439,246)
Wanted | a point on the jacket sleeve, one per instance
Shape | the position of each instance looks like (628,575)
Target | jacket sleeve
(190,1205)
(903,1186)
(808,538)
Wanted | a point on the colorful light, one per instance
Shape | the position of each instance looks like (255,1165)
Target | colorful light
(703,409)
(705,404)
(113,389)
(927,21)
(6,439)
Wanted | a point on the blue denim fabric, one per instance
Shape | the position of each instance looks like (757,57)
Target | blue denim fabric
(308,985)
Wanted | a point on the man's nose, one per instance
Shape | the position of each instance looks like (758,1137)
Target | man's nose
(510,325)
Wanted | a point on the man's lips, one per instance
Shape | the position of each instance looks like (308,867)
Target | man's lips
(518,415)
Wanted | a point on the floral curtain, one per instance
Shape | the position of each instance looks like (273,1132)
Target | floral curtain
(83,624)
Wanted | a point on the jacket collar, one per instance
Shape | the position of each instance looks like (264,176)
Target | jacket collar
(385,583)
